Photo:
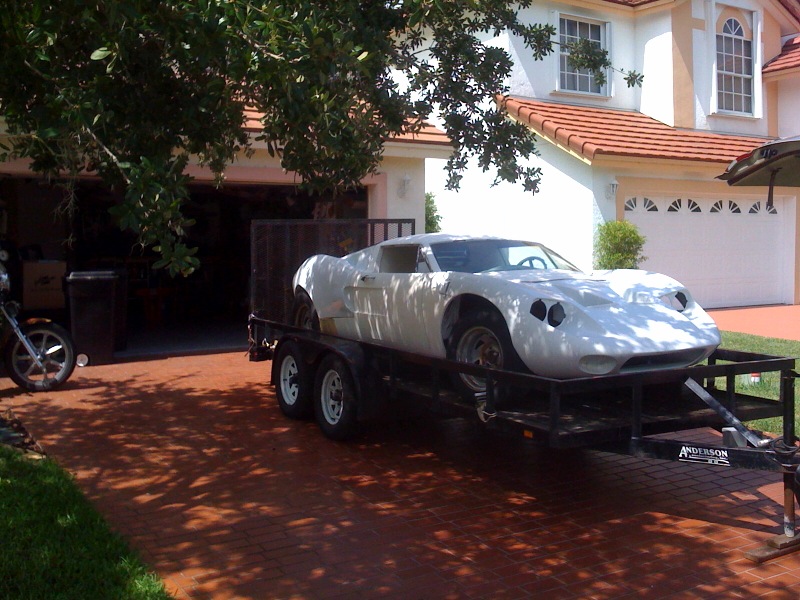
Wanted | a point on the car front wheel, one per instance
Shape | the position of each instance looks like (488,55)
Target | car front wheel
(481,338)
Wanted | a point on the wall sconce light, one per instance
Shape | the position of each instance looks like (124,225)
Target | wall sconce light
(402,189)
(612,189)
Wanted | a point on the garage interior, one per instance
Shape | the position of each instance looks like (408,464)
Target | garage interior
(207,310)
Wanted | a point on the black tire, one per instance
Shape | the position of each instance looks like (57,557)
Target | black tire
(481,338)
(304,314)
(294,385)
(55,350)
(335,399)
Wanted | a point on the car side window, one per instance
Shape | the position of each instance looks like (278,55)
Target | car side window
(422,262)
(399,259)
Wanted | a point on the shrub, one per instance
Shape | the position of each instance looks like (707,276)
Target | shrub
(618,245)
(432,216)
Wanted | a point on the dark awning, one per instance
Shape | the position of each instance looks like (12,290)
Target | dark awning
(776,163)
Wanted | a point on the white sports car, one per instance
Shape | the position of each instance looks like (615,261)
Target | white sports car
(503,303)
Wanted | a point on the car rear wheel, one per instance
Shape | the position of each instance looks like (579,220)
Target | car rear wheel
(481,338)
(304,314)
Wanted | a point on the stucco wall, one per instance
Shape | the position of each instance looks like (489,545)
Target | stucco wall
(654,46)
(539,79)
(763,29)
(561,215)
(789,106)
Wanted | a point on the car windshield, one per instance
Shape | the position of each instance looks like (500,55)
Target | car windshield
(480,256)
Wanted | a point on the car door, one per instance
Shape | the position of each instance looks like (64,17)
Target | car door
(394,304)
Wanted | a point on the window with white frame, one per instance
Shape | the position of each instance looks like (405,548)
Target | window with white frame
(570,30)
(734,69)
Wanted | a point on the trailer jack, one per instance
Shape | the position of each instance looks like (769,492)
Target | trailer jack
(737,434)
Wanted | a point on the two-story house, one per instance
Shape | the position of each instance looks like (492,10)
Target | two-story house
(720,78)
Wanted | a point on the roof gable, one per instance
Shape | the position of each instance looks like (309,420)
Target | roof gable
(787,60)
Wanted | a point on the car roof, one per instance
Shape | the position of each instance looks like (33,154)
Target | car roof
(426,239)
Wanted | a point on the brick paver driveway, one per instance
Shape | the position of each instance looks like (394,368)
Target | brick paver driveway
(192,461)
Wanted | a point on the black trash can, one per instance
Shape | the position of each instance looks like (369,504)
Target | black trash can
(97,310)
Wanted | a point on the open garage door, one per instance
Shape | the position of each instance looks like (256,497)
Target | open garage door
(728,252)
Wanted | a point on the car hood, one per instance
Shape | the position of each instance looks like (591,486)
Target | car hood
(595,289)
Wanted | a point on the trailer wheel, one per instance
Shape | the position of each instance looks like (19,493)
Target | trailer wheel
(335,399)
(481,338)
(295,381)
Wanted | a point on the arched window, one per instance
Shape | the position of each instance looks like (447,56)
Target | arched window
(734,69)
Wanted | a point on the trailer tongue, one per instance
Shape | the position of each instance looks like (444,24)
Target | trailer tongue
(646,414)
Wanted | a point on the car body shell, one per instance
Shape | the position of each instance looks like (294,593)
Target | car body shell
(562,323)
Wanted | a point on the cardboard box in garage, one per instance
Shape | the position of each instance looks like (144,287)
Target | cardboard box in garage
(42,284)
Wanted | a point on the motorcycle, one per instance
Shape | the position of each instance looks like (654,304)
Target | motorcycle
(38,354)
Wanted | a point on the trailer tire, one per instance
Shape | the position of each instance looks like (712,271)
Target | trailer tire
(295,383)
(335,399)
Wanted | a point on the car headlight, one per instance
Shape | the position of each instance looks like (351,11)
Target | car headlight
(676,300)
(555,313)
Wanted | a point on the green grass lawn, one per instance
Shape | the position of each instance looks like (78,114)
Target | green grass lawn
(56,545)
(769,387)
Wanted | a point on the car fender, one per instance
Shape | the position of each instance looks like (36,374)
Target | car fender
(326,279)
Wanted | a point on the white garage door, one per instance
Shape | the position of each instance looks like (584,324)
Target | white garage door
(727,252)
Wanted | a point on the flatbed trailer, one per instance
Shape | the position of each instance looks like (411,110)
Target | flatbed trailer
(345,383)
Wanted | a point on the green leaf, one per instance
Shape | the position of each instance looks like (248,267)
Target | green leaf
(100,53)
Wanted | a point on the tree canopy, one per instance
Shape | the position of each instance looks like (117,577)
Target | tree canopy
(129,90)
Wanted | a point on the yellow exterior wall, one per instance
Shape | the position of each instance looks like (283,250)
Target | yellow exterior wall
(682,66)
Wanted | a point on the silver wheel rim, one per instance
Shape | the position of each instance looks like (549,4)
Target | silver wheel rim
(289,387)
(332,397)
(479,346)
(49,350)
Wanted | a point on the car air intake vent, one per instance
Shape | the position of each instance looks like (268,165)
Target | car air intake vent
(660,361)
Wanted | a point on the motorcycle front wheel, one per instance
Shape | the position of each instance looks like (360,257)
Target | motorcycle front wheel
(55,350)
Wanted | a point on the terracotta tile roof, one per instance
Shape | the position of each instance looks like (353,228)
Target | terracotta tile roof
(591,131)
(632,3)
(429,134)
(791,6)
(788,59)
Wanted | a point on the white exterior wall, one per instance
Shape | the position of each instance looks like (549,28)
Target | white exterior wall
(539,79)
(561,215)
(654,46)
